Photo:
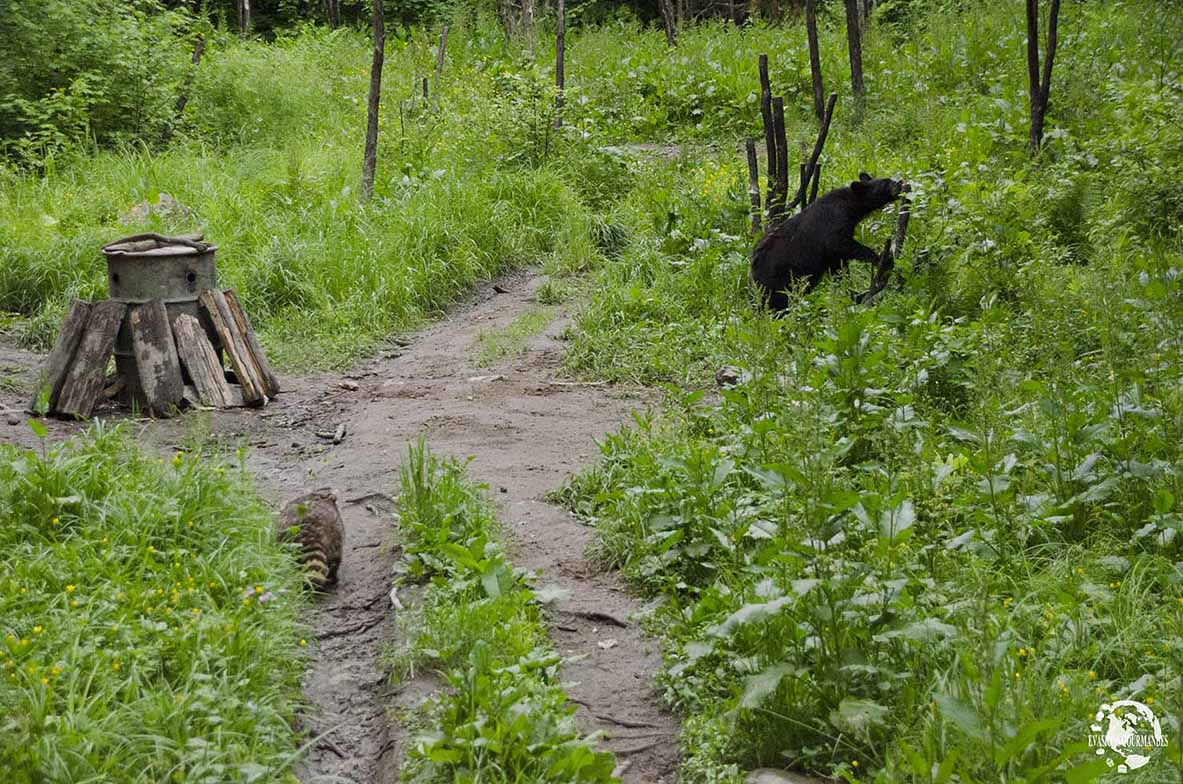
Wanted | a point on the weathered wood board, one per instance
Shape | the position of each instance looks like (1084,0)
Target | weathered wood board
(64,347)
(247,373)
(84,379)
(202,363)
(156,357)
(268,378)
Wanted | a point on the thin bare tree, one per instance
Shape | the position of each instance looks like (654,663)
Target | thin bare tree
(1039,88)
(815,60)
(855,44)
(370,161)
(560,59)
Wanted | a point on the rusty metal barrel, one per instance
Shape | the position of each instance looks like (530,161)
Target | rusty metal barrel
(149,266)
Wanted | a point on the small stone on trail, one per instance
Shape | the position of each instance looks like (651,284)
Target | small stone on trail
(394,602)
(611,642)
(339,436)
(776,776)
(348,385)
(500,289)
(503,489)
(13,419)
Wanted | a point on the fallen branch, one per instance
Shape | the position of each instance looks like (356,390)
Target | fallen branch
(891,249)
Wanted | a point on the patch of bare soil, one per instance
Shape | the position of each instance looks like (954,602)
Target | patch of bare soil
(526,430)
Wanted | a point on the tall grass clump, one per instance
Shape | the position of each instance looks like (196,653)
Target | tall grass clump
(504,716)
(149,622)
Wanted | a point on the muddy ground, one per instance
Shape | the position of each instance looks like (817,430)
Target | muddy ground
(526,429)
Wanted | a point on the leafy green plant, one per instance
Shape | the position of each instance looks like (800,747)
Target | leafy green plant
(505,716)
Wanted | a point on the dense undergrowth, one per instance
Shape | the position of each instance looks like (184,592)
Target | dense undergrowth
(922,541)
(148,620)
(503,716)
(929,537)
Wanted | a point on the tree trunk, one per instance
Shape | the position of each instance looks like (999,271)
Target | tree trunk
(528,23)
(560,57)
(1039,90)
(244,16)
(854,42)
(668,21)
(815,62)
(370,161)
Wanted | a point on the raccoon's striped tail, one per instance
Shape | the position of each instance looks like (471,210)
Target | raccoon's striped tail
(316,568)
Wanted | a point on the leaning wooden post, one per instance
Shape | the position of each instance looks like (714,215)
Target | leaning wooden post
(815,61)
(754,184)
(817,150)
(560,53)
(370,161)
(769,131)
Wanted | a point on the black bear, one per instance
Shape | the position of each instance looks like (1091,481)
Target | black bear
(819,239)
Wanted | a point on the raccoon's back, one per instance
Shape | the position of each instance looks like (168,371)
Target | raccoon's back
(312,520)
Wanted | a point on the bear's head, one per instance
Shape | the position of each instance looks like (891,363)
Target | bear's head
(876,193)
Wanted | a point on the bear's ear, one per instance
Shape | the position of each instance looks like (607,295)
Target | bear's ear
(858,187)
(864,176)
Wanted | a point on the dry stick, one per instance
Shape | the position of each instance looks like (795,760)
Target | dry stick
(777,210)
(1033,86)
(817,170)
(439,66)
(769,134)
(817,148)
(754,184)
(560,53)
(370,161)
(815,62)
(891,249)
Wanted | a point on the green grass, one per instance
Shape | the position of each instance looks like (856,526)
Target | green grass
(934,535)
(504,716)
(149,622)
(497,345)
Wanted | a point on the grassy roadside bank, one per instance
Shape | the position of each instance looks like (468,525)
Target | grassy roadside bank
(149,622)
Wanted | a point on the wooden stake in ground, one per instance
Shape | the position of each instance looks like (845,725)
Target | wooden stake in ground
(1039,90)
(855,45)
(815,61)
(776,209)
(370,160)
(439,67)
(753,184)
(560,56)
(769,131)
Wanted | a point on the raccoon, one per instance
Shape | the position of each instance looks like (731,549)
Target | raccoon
(313,521)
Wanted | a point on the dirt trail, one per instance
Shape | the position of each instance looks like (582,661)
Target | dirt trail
(526,431)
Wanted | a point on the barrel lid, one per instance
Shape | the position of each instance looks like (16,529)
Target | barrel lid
(157,245)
